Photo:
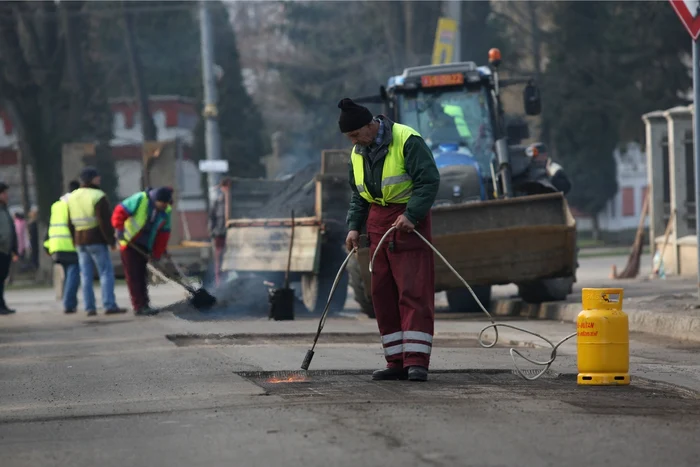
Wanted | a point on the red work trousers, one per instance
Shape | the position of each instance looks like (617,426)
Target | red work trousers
(403,288)
(135,271)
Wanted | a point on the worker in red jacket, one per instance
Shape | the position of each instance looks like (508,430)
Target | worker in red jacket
(142,223)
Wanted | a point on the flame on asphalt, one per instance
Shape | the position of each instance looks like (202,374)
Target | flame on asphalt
(289,379)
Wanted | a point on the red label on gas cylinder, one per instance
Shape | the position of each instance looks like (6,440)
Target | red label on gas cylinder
(586,329)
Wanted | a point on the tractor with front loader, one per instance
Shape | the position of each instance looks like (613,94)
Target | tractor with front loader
(497,218)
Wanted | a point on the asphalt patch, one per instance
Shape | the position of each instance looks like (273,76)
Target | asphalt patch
(643,397)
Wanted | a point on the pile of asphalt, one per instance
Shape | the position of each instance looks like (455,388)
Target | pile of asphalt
(298,193)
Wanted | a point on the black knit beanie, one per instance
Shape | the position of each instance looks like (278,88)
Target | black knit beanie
(164,194)
(352,116)
(88,173)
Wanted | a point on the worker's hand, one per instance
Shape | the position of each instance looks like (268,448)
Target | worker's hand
(15,257)
(353,240)
(113,247)
(403,224)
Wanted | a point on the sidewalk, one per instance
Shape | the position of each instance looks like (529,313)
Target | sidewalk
(674,314)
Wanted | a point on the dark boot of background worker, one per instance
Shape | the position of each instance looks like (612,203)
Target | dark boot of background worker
(390,374)
(417,373)
(146,311)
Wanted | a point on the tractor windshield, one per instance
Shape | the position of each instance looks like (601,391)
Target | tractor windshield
(454,118)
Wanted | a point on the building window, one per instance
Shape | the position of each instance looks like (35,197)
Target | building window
(628,202)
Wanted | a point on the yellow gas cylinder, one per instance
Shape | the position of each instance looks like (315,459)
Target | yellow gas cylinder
(603,339)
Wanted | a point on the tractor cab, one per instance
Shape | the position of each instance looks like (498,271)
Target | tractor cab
(457,110)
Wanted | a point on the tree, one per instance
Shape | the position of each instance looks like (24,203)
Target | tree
(48,71)
(482,29)
(150,132)
(582,113)
(654,54)
(329,59)
(166,35)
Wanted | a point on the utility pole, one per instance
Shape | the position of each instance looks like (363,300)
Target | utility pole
(210,113)
(696,145)
(453,10)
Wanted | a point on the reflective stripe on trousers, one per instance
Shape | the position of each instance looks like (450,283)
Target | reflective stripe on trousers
(407,341)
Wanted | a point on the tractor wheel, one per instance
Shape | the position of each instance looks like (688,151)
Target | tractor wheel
(362,296)
(462,301)
(315,288)
(546,290)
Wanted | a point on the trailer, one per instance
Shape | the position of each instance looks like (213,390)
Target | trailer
(257,245)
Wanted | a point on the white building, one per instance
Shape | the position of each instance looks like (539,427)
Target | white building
(624,210)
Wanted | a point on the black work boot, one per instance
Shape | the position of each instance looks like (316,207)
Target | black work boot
(390,374)
(146,311)
(417,373)
(115,311)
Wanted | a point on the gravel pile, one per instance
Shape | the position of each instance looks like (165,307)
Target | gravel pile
(298,193)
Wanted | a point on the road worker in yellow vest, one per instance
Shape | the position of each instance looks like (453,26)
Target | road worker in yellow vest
(142,222)
(394,181)
(456,112)
(446,124)
(59,245)
(89,220)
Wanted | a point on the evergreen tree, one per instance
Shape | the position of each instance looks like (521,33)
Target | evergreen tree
(654,54)
(483,30)
(581,82)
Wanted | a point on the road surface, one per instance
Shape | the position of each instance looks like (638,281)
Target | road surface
(164,391)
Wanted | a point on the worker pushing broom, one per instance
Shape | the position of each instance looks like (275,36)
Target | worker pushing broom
(394,182)
(142,223)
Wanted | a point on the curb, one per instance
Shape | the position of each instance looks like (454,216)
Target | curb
(676,325)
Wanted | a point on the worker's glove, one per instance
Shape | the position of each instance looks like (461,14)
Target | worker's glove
(119,234)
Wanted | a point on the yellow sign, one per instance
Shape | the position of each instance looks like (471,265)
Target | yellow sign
(444,45)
